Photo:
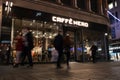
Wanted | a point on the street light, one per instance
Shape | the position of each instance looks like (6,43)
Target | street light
(106,45)
(106,34)
(8,6)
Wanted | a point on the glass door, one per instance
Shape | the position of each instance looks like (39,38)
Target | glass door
(73,36)
(77,49)
(43,33)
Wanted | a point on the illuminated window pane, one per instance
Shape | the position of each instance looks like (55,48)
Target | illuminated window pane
(115,3)
(110,6)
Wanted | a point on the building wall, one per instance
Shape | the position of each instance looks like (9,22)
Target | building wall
(62,10)
(98,18)
(114,47)
(71,11)
(115,24)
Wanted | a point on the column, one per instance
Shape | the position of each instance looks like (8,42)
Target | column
(88,5)
(105,7)
(100,9)
(0,17)
(74,3)
(12,31)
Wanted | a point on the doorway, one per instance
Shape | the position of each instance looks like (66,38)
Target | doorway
(76,47)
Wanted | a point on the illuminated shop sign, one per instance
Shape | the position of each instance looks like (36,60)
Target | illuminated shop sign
(69,21)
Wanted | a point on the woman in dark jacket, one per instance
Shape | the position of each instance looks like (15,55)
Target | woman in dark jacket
(19,48)
(67,45)
(28,46)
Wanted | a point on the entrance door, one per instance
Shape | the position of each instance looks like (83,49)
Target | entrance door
(76,48)
(73,36)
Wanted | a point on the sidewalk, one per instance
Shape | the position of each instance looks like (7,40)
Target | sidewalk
(78,71)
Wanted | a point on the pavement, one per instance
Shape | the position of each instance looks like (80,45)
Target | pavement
(78,71)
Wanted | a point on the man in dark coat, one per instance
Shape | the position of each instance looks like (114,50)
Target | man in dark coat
(94,49)
(58,44)
(28,46)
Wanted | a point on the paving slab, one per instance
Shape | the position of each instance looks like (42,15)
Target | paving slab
(78,71)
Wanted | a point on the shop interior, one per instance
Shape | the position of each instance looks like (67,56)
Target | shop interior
(44,33)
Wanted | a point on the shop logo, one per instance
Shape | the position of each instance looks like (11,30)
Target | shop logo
(69,21)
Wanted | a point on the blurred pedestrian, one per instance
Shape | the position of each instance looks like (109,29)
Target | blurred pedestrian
(67,44)
(58,44)
(4,52)
(19,48)
(54,54)
(49,51)
(28,46)
(8,54)
(1,53)
(94,49)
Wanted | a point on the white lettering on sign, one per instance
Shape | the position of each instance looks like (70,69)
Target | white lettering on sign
(69,21)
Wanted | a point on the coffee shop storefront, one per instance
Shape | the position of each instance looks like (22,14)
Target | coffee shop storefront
(44,27)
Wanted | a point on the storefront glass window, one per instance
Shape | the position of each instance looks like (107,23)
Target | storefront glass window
(90,37)
(43,32)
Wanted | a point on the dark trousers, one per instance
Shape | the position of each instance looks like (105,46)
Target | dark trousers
(94,57)
(67,53)
(60,53)
(8,58)
(27,53)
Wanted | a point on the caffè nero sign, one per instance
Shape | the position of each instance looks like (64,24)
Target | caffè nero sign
(69,21)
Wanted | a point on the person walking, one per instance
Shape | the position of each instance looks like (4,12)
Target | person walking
(67,44)
(94,52)
(1,53)
(8,53)
(58,44)
(19,48)
(28,46)
(54,54)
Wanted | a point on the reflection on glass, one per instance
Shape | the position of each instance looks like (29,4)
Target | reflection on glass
(43,33)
